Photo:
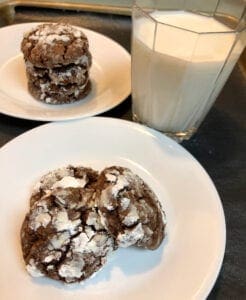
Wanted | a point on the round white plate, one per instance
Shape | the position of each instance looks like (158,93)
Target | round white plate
(110,74)
(188,261)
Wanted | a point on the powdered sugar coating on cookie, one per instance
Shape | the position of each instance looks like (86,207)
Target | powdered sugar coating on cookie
(129,209)
(78,217)
(62,235)
(53,45)
(70,74)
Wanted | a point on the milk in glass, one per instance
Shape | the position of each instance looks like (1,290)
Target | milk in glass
(178,74)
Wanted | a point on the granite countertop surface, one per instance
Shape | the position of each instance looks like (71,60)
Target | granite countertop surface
(219,145)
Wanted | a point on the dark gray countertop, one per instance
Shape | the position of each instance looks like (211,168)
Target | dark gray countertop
(219,145)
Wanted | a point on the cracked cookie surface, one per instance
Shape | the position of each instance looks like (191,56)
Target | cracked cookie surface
(77,217)
(129,209)
(64,75)
(58,94)
(62,235)
(52,45)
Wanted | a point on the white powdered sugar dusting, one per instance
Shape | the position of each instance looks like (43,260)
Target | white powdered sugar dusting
(69,181)
(54,255)
(106,198)
(124,202)
(108,195)
(132,217)
(121,183)
(93,219)
(83,60)
(44,87)
(33,270)
(72,268)
(130,236)
(59,240)
(49,34)
(110,177)
(61,222)
(39,216)
(48,100)
(80,242)
(49,179)
(89,232)
(97,244)
(86,243)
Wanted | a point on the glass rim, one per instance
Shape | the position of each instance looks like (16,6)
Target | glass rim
(147,14)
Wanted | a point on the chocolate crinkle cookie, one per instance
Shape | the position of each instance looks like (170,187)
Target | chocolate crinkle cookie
(54,45)
(62,235)
(77,217)
(58,54)
(58,94)
(129,209)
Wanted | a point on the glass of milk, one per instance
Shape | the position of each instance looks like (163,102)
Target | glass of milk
(182,54)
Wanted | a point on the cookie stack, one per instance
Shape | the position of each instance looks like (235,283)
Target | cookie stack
(58,60)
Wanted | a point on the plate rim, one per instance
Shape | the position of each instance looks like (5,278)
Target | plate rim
(25,116)
(205,290)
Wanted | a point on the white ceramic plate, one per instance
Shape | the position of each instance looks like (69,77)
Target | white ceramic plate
(110,74)
(187,263)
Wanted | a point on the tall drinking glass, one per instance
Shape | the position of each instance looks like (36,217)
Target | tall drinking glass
(182,54)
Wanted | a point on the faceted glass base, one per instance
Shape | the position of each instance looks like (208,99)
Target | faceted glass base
(181,136)
(177,136)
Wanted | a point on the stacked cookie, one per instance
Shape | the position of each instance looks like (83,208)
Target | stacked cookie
(58,60)
(78,217)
